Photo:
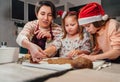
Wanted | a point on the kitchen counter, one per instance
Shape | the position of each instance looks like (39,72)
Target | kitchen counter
(87,75)
(114,68)
(108,74)
(13,72)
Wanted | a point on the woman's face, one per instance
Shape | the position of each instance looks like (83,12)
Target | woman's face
(90,28)
(71,25)
(44,16)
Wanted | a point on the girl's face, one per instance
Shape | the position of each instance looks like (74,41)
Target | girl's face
(71,25)
(44,16)
(90,28)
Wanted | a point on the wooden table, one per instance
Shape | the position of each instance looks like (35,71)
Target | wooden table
(13,72)
(87,75)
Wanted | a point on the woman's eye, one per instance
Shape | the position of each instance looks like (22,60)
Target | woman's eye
(49,14)
(87,25)
(42,13)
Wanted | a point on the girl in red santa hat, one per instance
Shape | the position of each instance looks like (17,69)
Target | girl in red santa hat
(105,32)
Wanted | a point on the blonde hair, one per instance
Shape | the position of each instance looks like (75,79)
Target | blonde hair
(75,15)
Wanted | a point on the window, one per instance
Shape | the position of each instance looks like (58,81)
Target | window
(17,10)
(31,12)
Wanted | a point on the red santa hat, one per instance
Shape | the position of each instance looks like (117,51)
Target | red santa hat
(59,13)
(90,13)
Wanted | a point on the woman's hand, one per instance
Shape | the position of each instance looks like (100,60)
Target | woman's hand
(42,34)
(90,57)
(36,53)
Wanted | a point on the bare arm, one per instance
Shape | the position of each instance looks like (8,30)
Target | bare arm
(112,54)
(50,51)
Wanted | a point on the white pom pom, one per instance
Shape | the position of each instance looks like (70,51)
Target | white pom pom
(64,13)
(105,17)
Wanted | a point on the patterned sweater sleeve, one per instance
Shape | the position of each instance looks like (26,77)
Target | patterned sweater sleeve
(57,31)
(27,32)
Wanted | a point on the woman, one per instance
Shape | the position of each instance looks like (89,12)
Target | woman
(42,28)
(106,32)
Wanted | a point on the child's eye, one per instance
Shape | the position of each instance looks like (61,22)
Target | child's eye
(72,24)
(66,25)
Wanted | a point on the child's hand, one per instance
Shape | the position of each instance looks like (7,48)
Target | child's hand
(73,53)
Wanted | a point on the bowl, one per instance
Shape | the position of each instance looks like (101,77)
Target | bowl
(9,54)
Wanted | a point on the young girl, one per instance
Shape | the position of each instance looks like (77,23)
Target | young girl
(106,32)
(74,42)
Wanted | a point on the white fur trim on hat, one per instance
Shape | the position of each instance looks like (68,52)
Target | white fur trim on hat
(105,17)
(89,19)
(64,13)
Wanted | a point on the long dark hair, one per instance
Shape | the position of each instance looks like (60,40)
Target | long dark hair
(98,24)
(47,3)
